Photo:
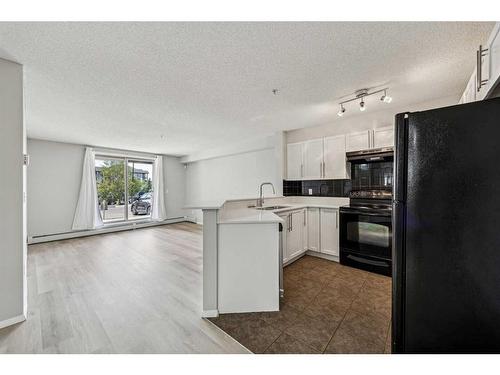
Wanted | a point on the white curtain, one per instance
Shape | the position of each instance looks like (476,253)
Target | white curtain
(158,212)
(88,215)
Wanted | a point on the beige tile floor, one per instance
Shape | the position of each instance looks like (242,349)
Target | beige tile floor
(327,308)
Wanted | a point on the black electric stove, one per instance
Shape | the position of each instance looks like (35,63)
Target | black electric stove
(366,231)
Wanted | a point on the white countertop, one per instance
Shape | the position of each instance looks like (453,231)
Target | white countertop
(206,205)
(238,212)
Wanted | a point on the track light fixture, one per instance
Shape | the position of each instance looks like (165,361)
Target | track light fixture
(360,95)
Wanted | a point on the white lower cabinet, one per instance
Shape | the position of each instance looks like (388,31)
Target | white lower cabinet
(313,228)
(305,235)
(294,234)
(329,231)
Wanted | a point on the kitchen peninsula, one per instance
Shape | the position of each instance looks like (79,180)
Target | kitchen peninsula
(241,247)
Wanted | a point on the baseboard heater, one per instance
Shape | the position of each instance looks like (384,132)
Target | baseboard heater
(107,229)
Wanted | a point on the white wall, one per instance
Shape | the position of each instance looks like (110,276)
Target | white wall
(174,175)
(54,177)
(12,188)
(367,120)
(234,176)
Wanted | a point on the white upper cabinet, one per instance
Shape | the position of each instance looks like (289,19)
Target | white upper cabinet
(486,75)
(294,161)
(358,141)
(335,165)
(313,159)
(383,137)
(469,94)
(329,231)
(325,158)
(494,58)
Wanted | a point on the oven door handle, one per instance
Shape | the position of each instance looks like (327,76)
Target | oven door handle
(368,261)
(364,213)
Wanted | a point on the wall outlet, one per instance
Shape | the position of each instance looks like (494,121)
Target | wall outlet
(310,191)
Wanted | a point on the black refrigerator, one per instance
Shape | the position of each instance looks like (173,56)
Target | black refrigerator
(446,230)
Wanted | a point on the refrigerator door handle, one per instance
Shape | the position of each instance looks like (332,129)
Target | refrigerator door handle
(400,156)
(479,74)
(398,276)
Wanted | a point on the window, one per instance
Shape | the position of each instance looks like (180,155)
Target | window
(139,189)
(124,193)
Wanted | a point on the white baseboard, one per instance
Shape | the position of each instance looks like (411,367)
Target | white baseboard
(335,258)
(210,313)
(314,254)
(11,321)
(194,220)
(297,257)
(110,229)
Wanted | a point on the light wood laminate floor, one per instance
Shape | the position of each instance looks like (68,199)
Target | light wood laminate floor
(128,292)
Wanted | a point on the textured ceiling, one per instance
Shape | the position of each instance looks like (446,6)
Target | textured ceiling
(202,85)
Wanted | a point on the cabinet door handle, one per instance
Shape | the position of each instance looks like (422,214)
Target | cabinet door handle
(337,219)
(304,217)
(324,173)
(302,170)
(291,222)
(479,72)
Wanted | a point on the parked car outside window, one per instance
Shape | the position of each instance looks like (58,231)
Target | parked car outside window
(142,206)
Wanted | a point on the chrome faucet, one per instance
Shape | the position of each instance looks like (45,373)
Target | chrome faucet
(260,201)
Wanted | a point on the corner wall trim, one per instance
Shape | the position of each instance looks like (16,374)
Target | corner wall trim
(210,313)
(12,321)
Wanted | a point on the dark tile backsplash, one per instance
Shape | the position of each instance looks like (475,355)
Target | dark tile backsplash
(364,176)
(318,188)
(292,188)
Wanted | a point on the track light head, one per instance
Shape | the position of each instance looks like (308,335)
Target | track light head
(341,112)
(386,98)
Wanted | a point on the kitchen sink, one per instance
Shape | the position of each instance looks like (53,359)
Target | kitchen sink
(271,208)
